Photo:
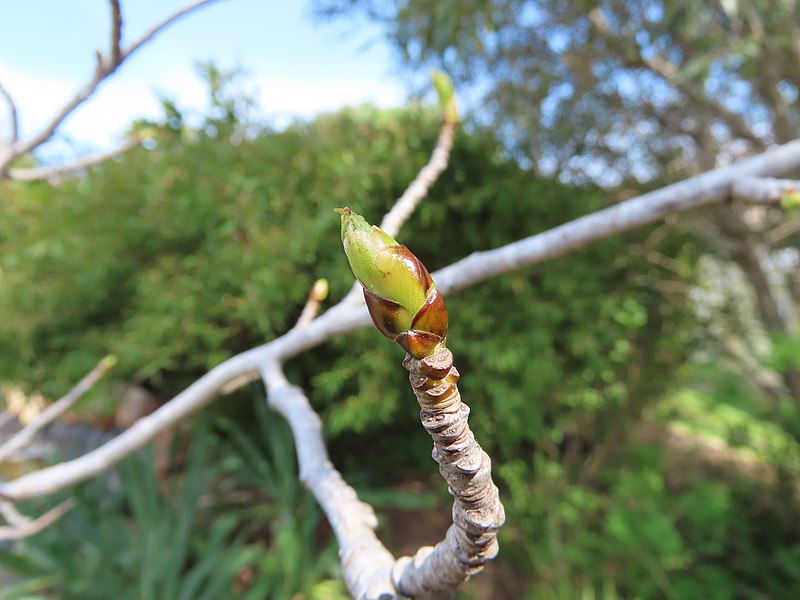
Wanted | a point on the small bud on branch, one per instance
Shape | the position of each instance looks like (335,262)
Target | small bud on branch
(401,297)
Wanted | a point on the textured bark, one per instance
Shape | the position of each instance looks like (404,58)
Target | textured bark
(477,511)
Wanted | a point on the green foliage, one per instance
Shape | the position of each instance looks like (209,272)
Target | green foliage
(175,257)
(165,548)
(138,537)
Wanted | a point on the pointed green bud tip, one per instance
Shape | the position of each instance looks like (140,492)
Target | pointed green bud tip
(444,89)
(403,301)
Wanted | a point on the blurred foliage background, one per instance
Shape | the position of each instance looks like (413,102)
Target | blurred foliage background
(636,458)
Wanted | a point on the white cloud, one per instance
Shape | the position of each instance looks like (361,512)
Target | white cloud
(97,122)
(283,99)
(100,121)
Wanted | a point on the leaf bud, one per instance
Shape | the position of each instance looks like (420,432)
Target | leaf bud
(402,299)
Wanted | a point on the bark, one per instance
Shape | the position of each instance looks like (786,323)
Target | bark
(477,511)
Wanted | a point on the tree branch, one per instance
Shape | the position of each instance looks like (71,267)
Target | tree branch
(22,527)
(57,171)
(427,176)
(416,191)
(668,71)
(763,189)
(366,563)
(56,409)
(713,187)
(477,512)
(13,116)
(316,295)
(106,65)
(116,32)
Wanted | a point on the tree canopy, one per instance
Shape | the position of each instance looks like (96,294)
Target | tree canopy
(612,89)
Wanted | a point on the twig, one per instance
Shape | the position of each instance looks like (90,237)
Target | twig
(156,29)
(106,65)
(713,187)
(763,189)
(477,512)
(46,173)
(782,231)
(56,409)
(316,296)
(366,563)
(12,515)
(116,31)
(418,189)
(14,118)
(26,527)
(405,205)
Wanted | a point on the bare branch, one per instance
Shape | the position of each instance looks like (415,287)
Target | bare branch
(156,29)
(366,563)
(763,189)
(58,171)
(316,296)
(404,207)
(713,187)
(24,527)
(660,66)
(477,512)
(56,409)
(116,32)
(12,515)
(782,231)
(14,118)
(427,176)
(106,65)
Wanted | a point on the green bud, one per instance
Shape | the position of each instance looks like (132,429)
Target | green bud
(319,291)
(108,362)
(444,89)
(790,200)
(403,301)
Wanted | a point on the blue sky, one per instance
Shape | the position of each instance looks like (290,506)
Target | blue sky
(297,67)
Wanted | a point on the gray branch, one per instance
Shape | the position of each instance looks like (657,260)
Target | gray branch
(366,563)
(22,527)
(106,66)
(763,189)
(713,187)
(13,116)
(56,409)
(427,176)
(707,189)
(115,50)
(58,171)
(477,512)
